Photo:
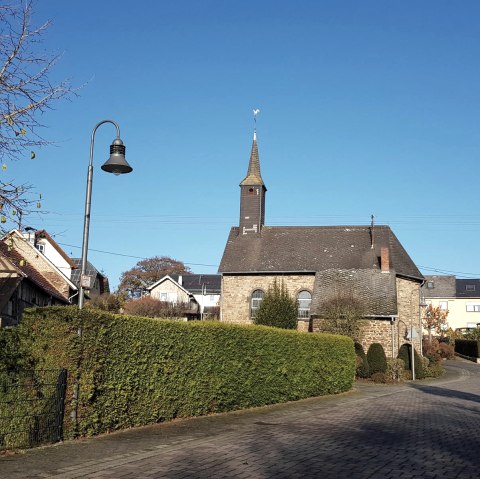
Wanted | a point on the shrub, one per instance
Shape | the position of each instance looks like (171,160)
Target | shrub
(468,347)
(362,370)
(134,371)
(395,369)
(153,308)
(447,351)
(379,378)
(404,354)
(377,360)
(342,315)
(277,308)
(431,350)
(106,302)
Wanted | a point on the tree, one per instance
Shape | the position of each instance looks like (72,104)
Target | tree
(341,315)
(26,92)
(434,319)
(277,308)
(148,271)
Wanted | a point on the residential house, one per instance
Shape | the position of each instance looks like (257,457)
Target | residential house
(22,286)
(99,282)
(199,291)
(316,264)
(460,297)
(15,240)
(44,243)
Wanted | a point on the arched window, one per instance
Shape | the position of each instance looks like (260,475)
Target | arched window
(257,297)
(304,299)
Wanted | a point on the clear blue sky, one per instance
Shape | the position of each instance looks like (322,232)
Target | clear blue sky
(366,107)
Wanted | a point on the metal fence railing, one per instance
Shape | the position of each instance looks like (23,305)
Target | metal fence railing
(32,405)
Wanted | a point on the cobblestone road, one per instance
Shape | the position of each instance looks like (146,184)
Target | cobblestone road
(429,429)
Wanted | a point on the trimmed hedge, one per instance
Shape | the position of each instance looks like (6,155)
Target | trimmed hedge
(376,358)
(468,347)
(405,354)
(363,369)
(134,371)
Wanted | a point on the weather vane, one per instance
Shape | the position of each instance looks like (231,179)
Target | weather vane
(256,111)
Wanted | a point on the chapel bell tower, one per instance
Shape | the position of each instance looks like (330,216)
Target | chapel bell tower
(252,196)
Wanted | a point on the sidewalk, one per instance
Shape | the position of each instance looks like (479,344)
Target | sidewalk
(327,436)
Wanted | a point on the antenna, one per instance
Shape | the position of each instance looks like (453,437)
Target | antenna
(372,224)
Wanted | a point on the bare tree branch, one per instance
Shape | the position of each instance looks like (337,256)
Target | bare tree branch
(25,93)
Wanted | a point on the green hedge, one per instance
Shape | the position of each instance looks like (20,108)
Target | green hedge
(468,347)
(135,371)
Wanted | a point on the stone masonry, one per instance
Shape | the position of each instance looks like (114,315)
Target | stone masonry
(237,291)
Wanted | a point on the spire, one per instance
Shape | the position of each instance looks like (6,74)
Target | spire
(254,176)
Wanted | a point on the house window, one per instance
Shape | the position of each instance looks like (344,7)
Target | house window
(304,299)
(430,284)
(469,287)
(443,305)
(40,247)
(473,308)
(257,297)
(164,297)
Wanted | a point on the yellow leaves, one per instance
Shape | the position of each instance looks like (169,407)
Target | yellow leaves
(32,155)
(4,167)
(39,205)
(3,219)
(9,121)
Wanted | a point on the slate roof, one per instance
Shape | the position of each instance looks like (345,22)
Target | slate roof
(30,272)
(254,177)
(461,290)
(443,286)
(193,283)
(311,249)
(376,291)
(90,270)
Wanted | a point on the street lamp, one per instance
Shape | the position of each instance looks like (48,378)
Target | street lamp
(117,165)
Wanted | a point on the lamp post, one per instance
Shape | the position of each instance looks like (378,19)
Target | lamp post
(117,165)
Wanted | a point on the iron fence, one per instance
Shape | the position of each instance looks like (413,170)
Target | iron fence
(32,406)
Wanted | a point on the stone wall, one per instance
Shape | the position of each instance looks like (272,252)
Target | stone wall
(237,291)
(408,301)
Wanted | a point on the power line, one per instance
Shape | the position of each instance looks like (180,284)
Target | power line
(445,271)
(129,255)
(427,268)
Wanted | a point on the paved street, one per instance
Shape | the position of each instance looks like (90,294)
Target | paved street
(430,429)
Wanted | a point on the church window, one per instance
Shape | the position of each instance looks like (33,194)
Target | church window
(257,298)
(304,300)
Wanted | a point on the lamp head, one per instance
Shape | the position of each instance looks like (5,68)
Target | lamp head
(117,164)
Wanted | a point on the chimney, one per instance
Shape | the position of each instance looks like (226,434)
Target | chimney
(385,259)
(180,279)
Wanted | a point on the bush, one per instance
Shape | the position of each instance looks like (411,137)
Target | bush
(277,308)
(468,347)
(153,308)
(431,350)
(380,378)
(362,369)
(377,360)
(134,371)
(342,315)
(395,369)
(404,354)
(447,351)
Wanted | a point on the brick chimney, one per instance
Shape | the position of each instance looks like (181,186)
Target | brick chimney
(385,259)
